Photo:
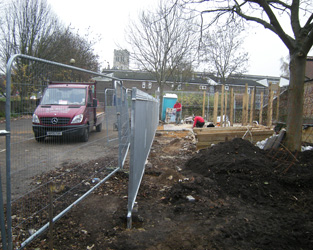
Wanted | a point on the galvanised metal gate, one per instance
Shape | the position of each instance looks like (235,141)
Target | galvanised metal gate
(44,180)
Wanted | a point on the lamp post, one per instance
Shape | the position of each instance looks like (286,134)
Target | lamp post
(72,62)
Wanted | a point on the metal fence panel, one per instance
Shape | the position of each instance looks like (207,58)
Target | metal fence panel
(64,169)
(122,112)
(144,122)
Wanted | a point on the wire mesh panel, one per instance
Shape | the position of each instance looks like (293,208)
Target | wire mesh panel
(57,151)
(123,120)
(110,115)
(144,122)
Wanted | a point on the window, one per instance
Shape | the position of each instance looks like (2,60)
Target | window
(143,85)
(149,85)
(202,87)
(226,87)
(179,87)
(249,91)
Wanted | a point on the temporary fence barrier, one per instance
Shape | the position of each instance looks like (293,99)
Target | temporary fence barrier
(54,172)
(144,122)
(122,112)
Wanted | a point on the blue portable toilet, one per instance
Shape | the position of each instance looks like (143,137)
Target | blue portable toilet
(168,102)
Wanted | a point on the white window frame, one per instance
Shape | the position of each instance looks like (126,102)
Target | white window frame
(143,85)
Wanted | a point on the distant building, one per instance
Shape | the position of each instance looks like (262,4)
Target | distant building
(198,81)
(121,59)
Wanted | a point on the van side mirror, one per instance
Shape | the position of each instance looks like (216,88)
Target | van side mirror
(95,102)
(38,101)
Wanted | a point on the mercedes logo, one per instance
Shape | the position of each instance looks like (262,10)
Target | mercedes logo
(54,120)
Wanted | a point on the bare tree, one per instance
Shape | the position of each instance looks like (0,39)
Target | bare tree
(30,27)
(26,24)
(271,15)
(68,43)
(161,41)
(222,49)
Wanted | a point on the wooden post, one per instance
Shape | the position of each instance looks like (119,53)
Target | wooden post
(247,103)
(270,105)
(215,108)
(225,112)
(203,105)
(261,108)
(251,107)
(254,101)
(277,101)
(231,107)
(222,105)
(245,106)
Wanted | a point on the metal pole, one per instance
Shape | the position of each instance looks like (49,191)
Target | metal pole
(106,114)
(2,217)
(8,149)
(60,215)
(118,94)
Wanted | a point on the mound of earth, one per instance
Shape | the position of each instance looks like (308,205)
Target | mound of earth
(230,196)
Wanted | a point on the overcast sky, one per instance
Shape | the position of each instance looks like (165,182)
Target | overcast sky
(109,19)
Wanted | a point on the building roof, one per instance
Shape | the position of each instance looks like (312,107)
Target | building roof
(148,76)
(196,78)
(238,81)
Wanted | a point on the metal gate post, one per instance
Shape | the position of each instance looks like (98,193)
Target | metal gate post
(2,218)
(8,150)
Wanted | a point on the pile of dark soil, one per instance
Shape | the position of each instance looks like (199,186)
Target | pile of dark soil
(231,196)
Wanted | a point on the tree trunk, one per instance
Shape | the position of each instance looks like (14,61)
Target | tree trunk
(161,101)
(295,102)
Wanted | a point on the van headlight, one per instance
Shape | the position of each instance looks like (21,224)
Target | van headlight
(35,119)
(77,119)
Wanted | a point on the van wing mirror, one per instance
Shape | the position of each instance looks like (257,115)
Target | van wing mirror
(38,101)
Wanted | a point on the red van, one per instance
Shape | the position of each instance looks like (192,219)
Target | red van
(67,109)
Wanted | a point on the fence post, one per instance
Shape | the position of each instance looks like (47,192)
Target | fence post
(222,105)
(225,112)
(270,105)
(203,104)
(277,102)
(2,217)
(208,108)
(231,114)
(215,108)
(245,106)
(261,109)
(252,107)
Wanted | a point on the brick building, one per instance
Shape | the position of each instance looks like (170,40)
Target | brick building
(198,81)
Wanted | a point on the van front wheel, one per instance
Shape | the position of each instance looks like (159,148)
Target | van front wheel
(85,136)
